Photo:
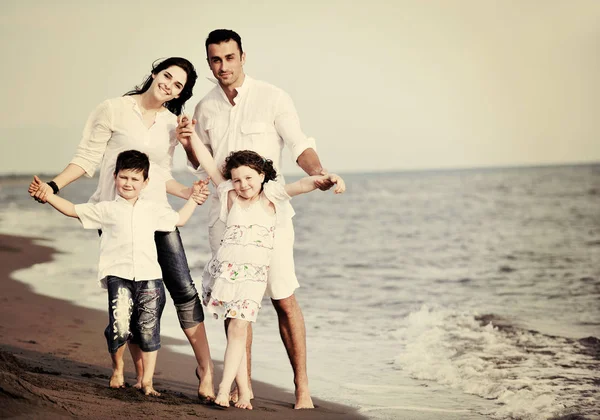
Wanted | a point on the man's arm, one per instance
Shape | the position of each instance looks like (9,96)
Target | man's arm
(302,148)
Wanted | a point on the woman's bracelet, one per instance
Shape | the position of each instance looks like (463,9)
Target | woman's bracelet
(54,187)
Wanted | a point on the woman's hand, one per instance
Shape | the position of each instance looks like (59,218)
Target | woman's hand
(39,190)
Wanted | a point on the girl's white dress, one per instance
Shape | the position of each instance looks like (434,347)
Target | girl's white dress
(235,279)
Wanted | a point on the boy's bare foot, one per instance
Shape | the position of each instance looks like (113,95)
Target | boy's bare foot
(222,399)
(149,390)
(303,400)
(117,380)
(206,392)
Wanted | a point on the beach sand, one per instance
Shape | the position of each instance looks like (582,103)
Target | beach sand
(54,362)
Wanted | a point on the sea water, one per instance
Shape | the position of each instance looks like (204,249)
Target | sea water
(463,294)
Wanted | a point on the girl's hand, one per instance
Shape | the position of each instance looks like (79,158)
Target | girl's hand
(338,181)
(325,183)
(39,190)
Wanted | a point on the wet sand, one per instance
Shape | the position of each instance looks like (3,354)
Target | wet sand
(54,362)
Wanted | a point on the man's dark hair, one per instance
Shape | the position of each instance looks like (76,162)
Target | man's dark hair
(133,160)
(223,35)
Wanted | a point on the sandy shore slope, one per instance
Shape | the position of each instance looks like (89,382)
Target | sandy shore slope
(54,363)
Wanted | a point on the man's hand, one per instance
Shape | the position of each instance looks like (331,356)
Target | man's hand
(39,190)
(326,183)
(185,129)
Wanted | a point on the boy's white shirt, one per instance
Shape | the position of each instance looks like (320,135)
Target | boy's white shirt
(127,247)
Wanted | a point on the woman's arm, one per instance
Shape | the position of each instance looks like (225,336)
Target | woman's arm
(71,173)
(90,152)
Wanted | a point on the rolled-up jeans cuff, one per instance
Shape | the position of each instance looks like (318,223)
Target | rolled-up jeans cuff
(190,313)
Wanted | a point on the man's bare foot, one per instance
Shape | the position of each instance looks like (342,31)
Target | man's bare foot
(206,392)
(222,399)
(303,400)
(149,390)
(117,380)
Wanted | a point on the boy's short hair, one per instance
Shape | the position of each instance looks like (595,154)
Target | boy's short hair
(133,160)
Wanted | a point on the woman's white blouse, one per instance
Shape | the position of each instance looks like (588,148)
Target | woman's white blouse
(116,125)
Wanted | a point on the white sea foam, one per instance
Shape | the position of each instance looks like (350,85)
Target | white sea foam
(529,375)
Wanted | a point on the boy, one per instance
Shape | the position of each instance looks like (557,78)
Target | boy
(128,265)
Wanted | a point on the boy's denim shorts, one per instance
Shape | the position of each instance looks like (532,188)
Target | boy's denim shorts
(134,311)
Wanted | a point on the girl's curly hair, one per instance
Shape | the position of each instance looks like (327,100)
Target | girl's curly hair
(252,160)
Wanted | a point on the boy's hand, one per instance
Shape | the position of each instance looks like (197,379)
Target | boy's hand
(185,129)
(200,192)
(39,190)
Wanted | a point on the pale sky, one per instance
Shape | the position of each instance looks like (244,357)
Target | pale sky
(380,84)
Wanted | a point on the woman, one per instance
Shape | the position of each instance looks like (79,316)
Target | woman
(145,119)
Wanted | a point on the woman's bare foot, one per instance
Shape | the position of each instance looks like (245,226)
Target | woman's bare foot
(148,389)
(117,380)
(206,392)
(222,399)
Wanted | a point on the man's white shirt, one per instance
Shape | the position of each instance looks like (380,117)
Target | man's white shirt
(263,119)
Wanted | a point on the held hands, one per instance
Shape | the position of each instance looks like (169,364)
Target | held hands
(185,129)
(39,190)
(329,180)
(200,191)
(325,183)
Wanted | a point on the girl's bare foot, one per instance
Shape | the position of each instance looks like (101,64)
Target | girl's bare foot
(148,389)
(222,399)
(233,396)
(243,402)
(117,380)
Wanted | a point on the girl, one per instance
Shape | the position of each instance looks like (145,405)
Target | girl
(145,119)
(235,279)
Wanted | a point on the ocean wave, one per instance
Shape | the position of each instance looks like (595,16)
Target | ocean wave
(528,374)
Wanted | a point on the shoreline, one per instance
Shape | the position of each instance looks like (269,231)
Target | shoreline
(54,362)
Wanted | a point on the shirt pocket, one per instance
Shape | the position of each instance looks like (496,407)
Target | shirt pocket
(262,138)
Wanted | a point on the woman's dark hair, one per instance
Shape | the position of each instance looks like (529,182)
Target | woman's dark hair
(252,160)
(133,160)
(174,105)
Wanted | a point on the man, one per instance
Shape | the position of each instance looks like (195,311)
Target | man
(241,113)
